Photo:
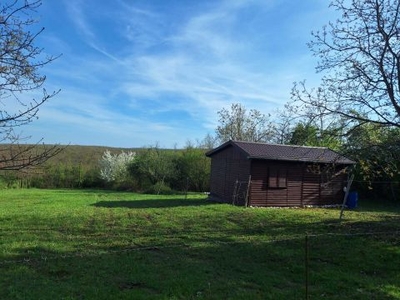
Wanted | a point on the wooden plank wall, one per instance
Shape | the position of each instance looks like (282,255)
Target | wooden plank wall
(304,185)
(274,183)
(264,193)
(311,187)
(226,167)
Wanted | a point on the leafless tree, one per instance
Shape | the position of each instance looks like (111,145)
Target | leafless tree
(242,125)
(20,63)
(359,55)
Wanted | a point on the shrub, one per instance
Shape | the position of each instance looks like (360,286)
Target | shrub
(160,188)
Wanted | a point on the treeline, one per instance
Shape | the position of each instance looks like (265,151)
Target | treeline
(149,170)
(375,148)
(154,170)
(355,110)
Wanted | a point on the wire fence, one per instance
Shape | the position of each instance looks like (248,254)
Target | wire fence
(325,257)
(357,258)
(173,239)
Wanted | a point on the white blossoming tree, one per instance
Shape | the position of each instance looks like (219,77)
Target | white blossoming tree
(114,167)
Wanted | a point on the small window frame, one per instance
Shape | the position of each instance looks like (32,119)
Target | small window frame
(277,178)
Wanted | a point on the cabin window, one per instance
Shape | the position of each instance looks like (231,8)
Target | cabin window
(277,178)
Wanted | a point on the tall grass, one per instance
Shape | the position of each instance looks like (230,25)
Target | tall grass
(67,244)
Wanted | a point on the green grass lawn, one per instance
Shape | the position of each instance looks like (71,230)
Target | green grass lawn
(72,244)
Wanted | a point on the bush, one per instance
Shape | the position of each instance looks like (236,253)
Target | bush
(160,188)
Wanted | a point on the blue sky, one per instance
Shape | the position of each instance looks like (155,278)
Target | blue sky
(137,73)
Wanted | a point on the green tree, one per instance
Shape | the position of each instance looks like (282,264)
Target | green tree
(377,150)
(304,134)
(307,134)
(153,168)
(193,169)
(359,60)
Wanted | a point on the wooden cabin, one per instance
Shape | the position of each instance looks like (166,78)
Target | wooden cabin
(259,174)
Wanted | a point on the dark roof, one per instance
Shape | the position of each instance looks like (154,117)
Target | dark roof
(285,152)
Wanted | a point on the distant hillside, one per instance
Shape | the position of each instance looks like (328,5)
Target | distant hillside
(74,155)
(84,155)
(79,166)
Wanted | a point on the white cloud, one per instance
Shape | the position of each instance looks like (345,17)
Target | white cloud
(194,65)
(77,15)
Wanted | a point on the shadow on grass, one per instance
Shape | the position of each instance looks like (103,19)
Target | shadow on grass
(379,206)
(212,270)
(152,203)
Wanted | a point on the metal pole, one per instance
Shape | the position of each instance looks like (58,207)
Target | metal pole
(187,187)
(306,260)
(345,196)
(247,192)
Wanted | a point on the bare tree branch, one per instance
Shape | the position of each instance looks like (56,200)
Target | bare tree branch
(20,64)
(240,125)
(359,55)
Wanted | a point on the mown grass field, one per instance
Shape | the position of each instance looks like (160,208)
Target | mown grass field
(72,244)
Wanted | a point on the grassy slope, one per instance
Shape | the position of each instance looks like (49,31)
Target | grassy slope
(65,244)
(77,154)
(88,156)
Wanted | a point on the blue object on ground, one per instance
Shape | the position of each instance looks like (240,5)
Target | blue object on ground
(352,200)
